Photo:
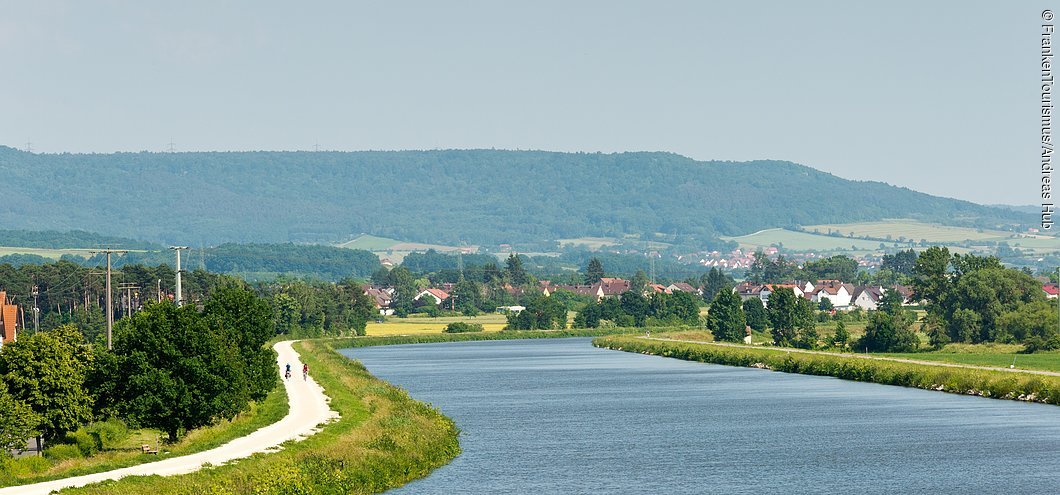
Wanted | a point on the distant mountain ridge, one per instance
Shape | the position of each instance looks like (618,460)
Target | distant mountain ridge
(453,196)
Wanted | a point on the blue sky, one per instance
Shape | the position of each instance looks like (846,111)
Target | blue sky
(940,97)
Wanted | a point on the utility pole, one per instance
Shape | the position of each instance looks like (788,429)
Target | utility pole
(36,310)
(159,290)
(110,304)
(171,148)
(179,297)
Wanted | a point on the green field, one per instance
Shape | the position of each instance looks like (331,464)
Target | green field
(370,243)
(802,241)
(912,230)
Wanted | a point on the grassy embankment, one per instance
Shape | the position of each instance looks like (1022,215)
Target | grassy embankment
(383,438)
(122,448)
(986,383)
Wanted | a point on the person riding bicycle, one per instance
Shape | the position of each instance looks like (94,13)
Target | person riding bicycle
(287,373)
(305,371)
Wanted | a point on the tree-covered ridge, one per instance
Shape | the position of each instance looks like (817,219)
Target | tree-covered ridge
(53,239)
(476,196)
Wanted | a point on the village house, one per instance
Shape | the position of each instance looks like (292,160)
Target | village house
(382,297)
(683,287)
(435,296)
(836,292)
(1052,291)
(867,297)
(610,287)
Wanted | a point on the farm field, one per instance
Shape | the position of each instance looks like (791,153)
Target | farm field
(370,243)
(802,241)
(1000,355)
(420,325)
(912,230)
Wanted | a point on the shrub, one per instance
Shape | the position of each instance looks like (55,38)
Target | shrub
(461,327)
(62,452)
(87,442)
(110,432)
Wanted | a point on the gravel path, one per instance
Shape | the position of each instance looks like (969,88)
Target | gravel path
(309,409)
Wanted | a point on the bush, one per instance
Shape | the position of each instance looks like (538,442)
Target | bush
(1037,344)
(87,442)
(110,432)
(62,452)
(461,327)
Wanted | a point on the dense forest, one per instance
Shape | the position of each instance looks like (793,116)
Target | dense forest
(482,197)
(53,239)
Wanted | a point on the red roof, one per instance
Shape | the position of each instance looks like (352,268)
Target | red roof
(1051,289)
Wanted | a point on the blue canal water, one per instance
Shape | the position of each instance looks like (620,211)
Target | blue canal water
(558,416)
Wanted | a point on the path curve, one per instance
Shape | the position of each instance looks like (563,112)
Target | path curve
(858,356)
(309,409)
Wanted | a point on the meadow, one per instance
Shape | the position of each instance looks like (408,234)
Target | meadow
(911,230)
(417,324)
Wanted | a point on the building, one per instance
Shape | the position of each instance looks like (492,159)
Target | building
(435,295)
(382,297)
(8,320)
(683,287)
(867,297)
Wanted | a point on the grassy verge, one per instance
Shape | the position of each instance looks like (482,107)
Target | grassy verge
(127,452)
(996,384)
(464,337)
(383,439)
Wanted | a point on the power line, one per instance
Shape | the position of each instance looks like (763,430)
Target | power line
(172,146)
(110,304)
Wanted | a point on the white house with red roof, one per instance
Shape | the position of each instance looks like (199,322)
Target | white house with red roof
(438,295)
(1052,291)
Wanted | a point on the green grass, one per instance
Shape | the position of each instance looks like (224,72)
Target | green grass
(911,230)
(383,439)
(985,383)
(127,452)
(370,243)
(995,355)
(802,241)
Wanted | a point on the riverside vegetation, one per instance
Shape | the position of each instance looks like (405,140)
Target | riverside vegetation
(382,439)
(985,383)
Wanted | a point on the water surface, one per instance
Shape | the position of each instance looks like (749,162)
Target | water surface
(559,416)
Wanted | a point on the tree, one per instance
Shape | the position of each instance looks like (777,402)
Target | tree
(784,315)
(636,306)
(18,421)
(825,304)
(247,320)
(838,267)
(757,272)
(757,317)
(594,271)
(381,276)
(514,270)
(901,263)
(47,371)
(541,313)
(841,336)
(805,324)
(174,369)
(404,291)
(887,332)
(640,282)
(713,282)
(726,318)
(468,297)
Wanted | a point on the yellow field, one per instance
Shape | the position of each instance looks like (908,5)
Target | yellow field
(417,325)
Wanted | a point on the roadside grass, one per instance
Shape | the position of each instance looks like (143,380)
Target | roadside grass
(383,439)
(985,383)
(125,451)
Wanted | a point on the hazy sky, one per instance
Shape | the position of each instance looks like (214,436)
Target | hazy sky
(940,97)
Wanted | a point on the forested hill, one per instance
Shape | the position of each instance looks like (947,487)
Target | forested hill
(474,196)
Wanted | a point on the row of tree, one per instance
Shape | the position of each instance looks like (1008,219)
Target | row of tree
(975,299)
(171,368)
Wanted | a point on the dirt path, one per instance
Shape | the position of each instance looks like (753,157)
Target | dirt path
(309,408)
(858,356)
